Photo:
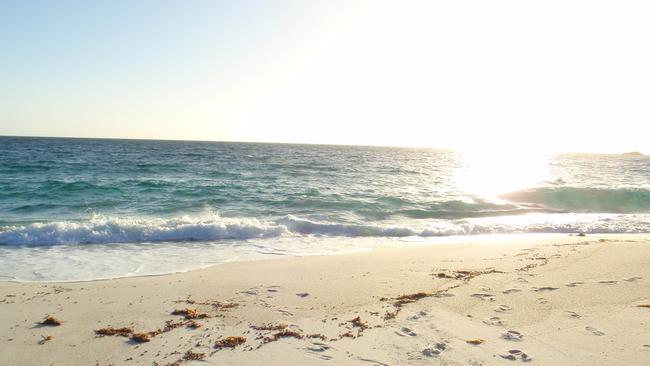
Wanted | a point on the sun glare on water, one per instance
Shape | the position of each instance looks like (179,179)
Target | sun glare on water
(491,173)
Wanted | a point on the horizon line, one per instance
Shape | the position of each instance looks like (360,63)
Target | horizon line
(294,143)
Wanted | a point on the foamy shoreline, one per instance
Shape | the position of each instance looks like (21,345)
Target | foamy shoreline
(573,300)
(360,245)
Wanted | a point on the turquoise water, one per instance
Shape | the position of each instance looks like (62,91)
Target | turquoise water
(67,203)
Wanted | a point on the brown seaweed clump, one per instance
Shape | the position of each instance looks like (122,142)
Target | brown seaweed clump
(475,341)
(390,315)
(269,326)
(123,332)
(317,335)
(285,333)
(50,320)
(188,356)
(146,336)
(141,337)
(193,356)
(407,299)
(224,305)
(347,334)
(193,324)
(357,322)
(170,325)
(190,313)
(230,342)
(465,275)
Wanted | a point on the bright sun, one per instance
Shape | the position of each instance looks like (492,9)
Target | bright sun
(488,174)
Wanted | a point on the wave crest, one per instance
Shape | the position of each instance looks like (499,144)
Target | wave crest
(107,230)
(574,199)
(126,230)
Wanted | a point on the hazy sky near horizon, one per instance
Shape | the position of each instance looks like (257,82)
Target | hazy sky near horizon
(531,76)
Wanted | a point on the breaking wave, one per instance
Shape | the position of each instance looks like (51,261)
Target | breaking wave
(109,230)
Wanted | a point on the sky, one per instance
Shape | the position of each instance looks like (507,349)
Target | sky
(521,76)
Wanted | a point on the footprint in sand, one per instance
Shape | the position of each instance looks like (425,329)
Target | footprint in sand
(503,309)
(594,331)
(510,291)
(574,284)
(572,314)
(608,282)
(273,288)
(632,279)
(417,316)
(512,335)
(374,362)
(542,289)
(404,332)
(514,355)
(434,350)
(285,312)
(483,296)
(495,320)
(318,347)
(442,294)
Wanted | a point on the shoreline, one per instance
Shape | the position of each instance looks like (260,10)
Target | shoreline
(168,246)
(454,292)
(385,242)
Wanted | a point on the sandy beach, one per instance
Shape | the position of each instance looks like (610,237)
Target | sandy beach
(539,299)
(373,183)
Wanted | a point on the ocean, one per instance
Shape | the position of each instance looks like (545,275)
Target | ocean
(82,209)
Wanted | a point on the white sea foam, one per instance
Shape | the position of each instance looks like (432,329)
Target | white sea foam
(109,247)
(103,230)
(114,230)
(70,262)
(307,227)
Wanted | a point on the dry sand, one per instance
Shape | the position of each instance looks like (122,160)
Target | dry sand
(546,300)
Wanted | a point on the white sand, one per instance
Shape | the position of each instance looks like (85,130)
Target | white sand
(552,300)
